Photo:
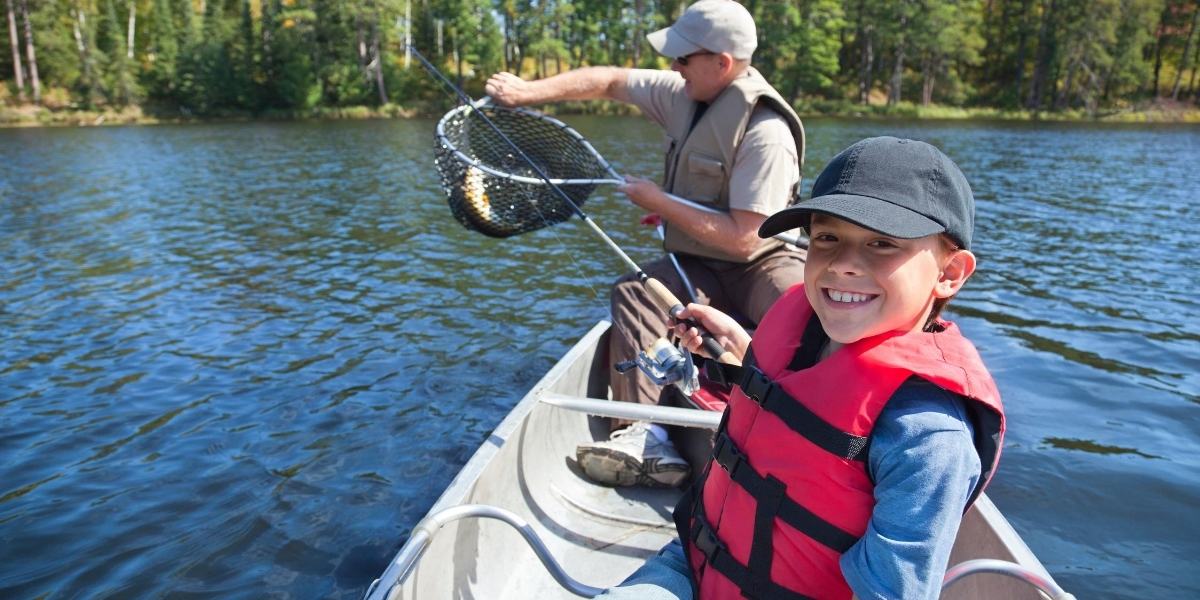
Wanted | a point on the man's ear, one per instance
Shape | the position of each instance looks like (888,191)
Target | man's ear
(958,268)
(726,62)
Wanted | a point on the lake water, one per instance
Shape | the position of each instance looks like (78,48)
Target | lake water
(242,360)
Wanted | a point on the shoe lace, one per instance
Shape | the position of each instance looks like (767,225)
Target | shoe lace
(636,428)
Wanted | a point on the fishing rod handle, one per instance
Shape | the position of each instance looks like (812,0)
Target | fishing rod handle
(672,305)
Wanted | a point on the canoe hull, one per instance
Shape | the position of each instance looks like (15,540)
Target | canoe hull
(599,534)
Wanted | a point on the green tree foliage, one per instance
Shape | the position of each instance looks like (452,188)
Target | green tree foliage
(246,56)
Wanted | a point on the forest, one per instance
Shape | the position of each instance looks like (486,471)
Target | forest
(202,58)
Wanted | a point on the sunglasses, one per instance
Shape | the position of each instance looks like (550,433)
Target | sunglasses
(683,60)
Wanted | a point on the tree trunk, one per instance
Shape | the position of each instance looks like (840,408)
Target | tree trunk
(268,25)
(638,11)
(364,61)
(132,28)
(438,25)
(867,59)
(78,25)
(508,64)
(897,78)
(1022,44)
(18,72)
(1045,54)
(1064,94)
(1160,36)
(458,58)
(379,83)
(1192,80)
(407,33)
(1187,49)
(929,68)
(30,54)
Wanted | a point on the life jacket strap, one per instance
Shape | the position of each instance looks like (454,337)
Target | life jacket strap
(717,556)
(766,393)
(767,493)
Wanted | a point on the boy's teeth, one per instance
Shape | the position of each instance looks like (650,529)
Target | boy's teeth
(839,296)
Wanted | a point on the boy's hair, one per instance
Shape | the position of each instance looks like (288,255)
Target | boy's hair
(931,322)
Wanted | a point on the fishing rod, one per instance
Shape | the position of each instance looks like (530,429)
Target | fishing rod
(666,299)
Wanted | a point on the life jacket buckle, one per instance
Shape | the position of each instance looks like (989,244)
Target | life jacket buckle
(706,540)
(728,455)
(757,386)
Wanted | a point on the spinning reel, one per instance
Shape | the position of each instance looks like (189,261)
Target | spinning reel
(666,364)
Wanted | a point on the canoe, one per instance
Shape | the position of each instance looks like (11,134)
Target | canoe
(525,471)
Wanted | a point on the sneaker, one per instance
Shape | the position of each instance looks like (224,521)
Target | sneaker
(633,456)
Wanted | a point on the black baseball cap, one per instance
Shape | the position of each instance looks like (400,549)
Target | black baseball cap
(901,188)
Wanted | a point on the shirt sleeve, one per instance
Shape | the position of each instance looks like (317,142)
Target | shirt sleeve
(655,92)
(765,168)
(925,466)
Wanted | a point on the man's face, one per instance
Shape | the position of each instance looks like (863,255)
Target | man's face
(862,283)
(703,75)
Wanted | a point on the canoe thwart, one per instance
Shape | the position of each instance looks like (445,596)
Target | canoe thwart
(665,415)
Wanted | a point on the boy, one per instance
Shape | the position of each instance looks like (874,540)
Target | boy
(861,426)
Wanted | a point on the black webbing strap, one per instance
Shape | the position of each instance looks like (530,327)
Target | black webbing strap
(762,546)
(759,388)
(718,557)
(764,491)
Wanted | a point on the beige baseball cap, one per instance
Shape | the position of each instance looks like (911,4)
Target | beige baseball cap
(712,25)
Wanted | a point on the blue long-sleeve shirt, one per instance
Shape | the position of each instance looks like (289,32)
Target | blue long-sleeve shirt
(924,464)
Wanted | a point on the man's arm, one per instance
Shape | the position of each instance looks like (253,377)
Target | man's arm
(588,83)
(736,232)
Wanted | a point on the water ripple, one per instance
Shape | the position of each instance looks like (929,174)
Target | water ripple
(241,360)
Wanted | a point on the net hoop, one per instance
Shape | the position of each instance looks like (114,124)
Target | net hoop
(492,160)
(444,141)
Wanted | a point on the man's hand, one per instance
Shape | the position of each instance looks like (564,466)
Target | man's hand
(507,89)
(640,191)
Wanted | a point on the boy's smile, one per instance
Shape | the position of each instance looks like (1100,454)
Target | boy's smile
(862,283)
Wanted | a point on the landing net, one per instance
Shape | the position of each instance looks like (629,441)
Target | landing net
(493,190)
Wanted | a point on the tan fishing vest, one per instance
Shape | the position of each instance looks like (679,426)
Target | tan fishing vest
(699,161)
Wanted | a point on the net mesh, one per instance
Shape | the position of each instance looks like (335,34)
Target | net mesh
(500,206)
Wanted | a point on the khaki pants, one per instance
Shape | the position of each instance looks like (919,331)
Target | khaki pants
(742,290)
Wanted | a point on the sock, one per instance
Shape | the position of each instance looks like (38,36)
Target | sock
(659,432)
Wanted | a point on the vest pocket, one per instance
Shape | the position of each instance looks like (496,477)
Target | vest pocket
(705,177)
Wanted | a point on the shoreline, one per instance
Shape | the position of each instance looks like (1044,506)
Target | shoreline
(29,116)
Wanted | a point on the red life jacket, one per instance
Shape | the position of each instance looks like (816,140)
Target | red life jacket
(788,491)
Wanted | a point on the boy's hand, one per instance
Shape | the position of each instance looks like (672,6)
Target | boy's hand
(727,331)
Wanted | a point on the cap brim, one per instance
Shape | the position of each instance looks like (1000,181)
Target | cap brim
(864,211)
(670,44)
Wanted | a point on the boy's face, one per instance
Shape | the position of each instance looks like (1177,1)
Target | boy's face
(862,283)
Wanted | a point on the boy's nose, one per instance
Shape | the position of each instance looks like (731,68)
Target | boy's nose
(845,261)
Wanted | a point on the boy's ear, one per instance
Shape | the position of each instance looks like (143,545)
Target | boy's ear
(958,268)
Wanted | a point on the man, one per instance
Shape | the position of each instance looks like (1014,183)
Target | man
(735,145)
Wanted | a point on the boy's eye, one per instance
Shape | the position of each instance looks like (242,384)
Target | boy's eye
(821,236)
(884,244)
